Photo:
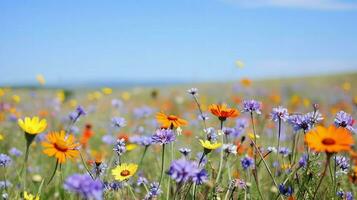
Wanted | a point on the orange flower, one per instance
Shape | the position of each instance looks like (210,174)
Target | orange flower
(59,145)
(222,112)
(170,120)
(87,134)
(330,140)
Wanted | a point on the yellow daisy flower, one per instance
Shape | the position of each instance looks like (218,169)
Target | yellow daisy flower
(28,196)
(124,171)
(32,126)
(210,146)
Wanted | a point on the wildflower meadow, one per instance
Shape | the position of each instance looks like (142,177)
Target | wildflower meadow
(237,140)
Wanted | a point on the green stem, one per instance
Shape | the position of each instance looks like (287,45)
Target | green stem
(142,157)
(54,172)
(322,175)
(162,163)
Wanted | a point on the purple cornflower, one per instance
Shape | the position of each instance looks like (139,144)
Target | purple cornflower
(15,152)
(118,122)
(99,168)
(193,91)
(228,131)
(5,184)
(342,162)
(85,186)
(285,190)
(116,103)
(340,194)
(349,196)
(247,162)
(185,151)
(108,139)
(142,112)
(314,117)
(141,181)
(120,147)
(279,113)
(203,116)
(241,125)
(115,185)
(229,148)
(200,177)
(5,160)
(272,149)
(145,141)
(252,106)
(183,170)
(154,191)
(344,120)
(163,136)
(211,134)
(303,160)
(284,151)
(75,115)
(300,122)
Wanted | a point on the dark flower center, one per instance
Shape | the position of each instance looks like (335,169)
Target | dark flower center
(172,117)
(61,145)
(328,141)
(125,173)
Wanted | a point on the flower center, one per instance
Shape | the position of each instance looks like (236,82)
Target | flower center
(61,145)
(328,141)
(125,173)
(172,117)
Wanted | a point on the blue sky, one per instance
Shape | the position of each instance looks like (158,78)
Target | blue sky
(180,40)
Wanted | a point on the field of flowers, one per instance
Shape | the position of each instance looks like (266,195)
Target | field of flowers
(279,139)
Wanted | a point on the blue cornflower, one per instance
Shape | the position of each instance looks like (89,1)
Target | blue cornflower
(15,152)
(203,116)
(211,134)
(141,181)
(279,113)
(145,141)
(163,136)
(154,191)
(108,139)
(303,160)
(142,112)
(252,106)
(118,122)
(75,115)
(5,160)
(272,149)
(116,103)
(300,122)
(349,196)
(185,151)
(344,120)
(182,170)
(284,151)
(285,190)
(228,131)
(193,91)
(115,185)
(200,177)
(85,186)
(342,162)
(247,162)
(120,147)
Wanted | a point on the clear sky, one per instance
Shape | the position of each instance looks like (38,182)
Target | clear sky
(181,40)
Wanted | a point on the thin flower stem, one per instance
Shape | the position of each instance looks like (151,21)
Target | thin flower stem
(131,192)
(220,160)
(85,166)
(162,163)
(53,173)
(168,180)
(200,110)
(279,131)
(142,157)
(5,185)
(328,156)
